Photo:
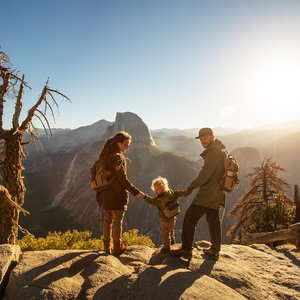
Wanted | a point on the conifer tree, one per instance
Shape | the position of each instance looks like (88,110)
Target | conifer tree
(265,206)
(12,141)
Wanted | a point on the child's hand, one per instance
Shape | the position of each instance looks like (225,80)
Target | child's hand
(140,195)
(188,192)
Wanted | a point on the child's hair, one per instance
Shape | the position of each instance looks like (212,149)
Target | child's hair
(160,181)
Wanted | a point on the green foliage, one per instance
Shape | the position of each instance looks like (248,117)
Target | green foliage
(77,240)
(271,216)
(132,237)
(265,206)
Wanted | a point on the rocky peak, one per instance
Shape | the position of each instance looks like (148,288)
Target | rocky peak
(134,125)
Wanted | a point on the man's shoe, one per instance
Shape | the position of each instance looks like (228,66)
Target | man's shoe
(181,252)
(165,250)
(212,253)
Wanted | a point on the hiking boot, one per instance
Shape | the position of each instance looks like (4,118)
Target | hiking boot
(212,253)
(107,247)
(165,249)
(181,252)
(119,248)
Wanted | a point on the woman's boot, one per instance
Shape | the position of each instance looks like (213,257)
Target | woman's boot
(107,247)
(119,248)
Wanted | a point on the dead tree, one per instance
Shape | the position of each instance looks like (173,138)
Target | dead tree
(265,185)
(297,203)
(12,189)
(297,211)
(292,233)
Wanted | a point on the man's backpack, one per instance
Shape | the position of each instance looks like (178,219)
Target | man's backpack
(100,176)
(230,179)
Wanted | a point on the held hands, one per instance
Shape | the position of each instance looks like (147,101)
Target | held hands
(140,195)
(188,192)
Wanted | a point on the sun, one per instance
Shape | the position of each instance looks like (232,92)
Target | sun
(273,89)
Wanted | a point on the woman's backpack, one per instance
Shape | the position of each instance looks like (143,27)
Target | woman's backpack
(101,177)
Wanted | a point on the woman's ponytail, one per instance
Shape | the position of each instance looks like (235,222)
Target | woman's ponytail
(111,146)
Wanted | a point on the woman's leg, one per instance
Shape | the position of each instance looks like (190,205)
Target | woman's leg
(107,218)
(117,228)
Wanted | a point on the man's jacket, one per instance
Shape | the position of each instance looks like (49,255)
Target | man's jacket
(210,193)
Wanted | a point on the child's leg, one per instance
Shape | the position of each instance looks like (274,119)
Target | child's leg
(165,233)
(172,231)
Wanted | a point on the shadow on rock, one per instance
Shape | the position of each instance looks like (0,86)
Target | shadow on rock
(71,271)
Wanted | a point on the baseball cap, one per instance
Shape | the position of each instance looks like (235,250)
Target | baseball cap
(204,131)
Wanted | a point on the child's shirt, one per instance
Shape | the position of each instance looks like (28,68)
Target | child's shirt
(163,198)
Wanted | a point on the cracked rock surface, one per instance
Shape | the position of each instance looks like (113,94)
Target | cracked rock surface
(242,272)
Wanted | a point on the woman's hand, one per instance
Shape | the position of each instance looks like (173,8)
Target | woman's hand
(188,192)
(140,195)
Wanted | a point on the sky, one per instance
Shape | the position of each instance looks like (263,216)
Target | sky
(176,64)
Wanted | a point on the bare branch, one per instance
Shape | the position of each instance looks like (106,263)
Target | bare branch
(32,110)
(4,60)
(43,98)
(18,107)
(3,90)
(25,231)
(46,120)
(48,105)
(59,93)
(33,135)
(7,197)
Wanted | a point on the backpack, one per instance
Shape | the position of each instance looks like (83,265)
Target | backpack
(230,179)
(171,208)
(100,176)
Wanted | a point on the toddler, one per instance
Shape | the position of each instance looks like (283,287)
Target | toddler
(165,195)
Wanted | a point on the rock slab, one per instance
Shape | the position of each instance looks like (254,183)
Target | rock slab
(242,272)
(9,256)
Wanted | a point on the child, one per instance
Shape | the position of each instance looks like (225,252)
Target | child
(163,196)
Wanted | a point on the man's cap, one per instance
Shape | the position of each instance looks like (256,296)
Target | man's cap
(204,131)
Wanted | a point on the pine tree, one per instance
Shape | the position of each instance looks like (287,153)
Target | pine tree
(265,206)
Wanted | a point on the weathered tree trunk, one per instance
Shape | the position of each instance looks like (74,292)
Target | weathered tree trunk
(297,203)
(292,233)
(297,212)
(13,180)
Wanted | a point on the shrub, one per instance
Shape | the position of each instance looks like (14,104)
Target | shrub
(77,240)
(132,237)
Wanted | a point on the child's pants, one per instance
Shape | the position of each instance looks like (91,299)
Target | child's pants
(167,230)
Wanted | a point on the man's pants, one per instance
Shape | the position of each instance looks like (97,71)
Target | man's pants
(191,218)
(112,224)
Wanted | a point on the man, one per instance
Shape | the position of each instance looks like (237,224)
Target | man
(208,198)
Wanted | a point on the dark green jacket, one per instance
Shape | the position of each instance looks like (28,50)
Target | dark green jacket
(164,198)
(116,196)
(210,193)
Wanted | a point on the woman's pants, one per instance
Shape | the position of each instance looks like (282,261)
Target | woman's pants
(112,225)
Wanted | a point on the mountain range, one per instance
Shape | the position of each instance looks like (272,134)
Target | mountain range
(57,174)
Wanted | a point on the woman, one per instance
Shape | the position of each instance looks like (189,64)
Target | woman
(114,199)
